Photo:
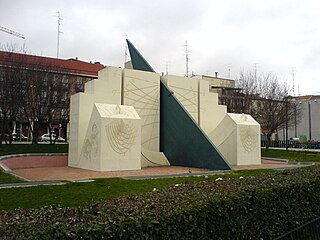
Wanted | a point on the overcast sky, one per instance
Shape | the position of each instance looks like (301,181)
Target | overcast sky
(275,36)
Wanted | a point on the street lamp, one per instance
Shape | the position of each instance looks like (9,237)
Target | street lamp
(309,116)
(309,113)
(286,107)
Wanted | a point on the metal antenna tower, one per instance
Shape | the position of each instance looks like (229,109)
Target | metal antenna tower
(187,59)
(59,24)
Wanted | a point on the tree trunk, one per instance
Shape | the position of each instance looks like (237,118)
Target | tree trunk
(35,133)
(268,142)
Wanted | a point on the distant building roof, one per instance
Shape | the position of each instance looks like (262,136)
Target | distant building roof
(305,97)
(69,66)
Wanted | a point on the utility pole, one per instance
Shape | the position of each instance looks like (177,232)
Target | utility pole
(187,59)
(59,24)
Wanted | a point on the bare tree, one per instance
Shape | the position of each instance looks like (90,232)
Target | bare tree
(33,91)
(12,78)
(45,98)
(269,102)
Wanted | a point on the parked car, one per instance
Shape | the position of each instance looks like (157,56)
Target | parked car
(15,137)
(46,138)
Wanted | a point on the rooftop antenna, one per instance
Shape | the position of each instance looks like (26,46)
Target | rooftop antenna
(167,67)
(59,24)
(293,72)
(255,71)
(187,59)
(256,76)
(229,70)
(125,51)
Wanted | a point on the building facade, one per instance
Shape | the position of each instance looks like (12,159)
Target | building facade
(36,90)
(307,124)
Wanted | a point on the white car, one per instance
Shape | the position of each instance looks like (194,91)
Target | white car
(16,137)
(46,138)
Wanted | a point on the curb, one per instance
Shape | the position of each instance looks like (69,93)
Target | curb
(276,159)
(30,184)
(196,174)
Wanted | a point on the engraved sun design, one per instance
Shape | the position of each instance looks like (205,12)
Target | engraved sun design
(248,138)
(121,136)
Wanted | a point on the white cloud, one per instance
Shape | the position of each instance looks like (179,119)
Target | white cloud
(278,35)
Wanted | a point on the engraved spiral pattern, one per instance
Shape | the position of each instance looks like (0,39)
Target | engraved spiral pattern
(248,138)
(121,136)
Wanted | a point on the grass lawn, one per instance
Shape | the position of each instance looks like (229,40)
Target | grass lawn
(77,194)
(8,178)
(293,156)
(29,148)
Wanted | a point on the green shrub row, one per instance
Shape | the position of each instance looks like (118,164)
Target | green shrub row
(260,207)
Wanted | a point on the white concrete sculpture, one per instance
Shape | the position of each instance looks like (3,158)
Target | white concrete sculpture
(142,91)
(125,135)
(116,86)
(112,142)
(238,139)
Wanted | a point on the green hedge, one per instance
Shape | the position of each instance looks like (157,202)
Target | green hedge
(260,207)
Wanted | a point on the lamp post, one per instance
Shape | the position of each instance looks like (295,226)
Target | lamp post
(295,120)
(309,101)
(309,113)
(286,106)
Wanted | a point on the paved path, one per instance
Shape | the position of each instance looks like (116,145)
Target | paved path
(49,168)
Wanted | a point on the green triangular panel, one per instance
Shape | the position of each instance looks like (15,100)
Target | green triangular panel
(137,60)
(181,139)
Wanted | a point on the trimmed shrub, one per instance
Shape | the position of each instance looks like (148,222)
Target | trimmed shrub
(260,207)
